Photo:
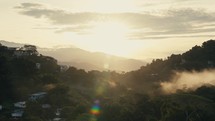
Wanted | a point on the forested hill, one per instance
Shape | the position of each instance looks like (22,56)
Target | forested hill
(198,59)
(133,96)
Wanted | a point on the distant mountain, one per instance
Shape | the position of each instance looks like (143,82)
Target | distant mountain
(92,60)
(11,44)
(83,59)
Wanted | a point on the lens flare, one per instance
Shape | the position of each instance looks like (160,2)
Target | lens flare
(95,110)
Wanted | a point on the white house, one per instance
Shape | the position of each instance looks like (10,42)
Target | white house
(17,113)
(64,68)
(57,119)
(20,104)
(38,65)
(58,112)
(36,96)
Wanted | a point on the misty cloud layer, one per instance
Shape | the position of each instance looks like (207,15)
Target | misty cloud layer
(189,81)
(183,22)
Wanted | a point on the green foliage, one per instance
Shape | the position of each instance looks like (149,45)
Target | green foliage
(133,96)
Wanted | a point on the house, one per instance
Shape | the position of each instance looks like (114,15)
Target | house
(1,107)
(57,119)
(38,65)
(36,96)
(64,68)
(45,106)
(58,112)
(18,113)
(20,104)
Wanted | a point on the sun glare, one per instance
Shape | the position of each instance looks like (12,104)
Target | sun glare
(109,31)
(109,37)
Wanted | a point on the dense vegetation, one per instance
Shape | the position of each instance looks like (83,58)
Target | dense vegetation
(132,96)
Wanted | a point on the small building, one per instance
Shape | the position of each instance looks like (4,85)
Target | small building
(38,65)
(45,106)
(58,112)
(57,119)
(18,113)
(38,95)
(20,104)
(64,68)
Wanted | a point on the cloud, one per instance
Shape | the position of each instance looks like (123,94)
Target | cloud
(28,5)
(79,29)
(165,2)
(180,22)
(170,36)
(56,16)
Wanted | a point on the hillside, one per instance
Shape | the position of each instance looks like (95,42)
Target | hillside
(199,58)
(48,91)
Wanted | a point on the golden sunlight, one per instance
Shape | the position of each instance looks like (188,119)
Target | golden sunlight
(109,37)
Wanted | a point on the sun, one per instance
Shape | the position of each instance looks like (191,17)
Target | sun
(109,32)
(109,37)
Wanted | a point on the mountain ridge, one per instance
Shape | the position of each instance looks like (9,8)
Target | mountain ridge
(87,60)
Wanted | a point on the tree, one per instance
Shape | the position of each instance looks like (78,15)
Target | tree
(31,49)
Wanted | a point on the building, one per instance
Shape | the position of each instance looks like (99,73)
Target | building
(64,68)
(20,104)
(37,96)
(57,119)
(38,65)
(18,113)
(58,112)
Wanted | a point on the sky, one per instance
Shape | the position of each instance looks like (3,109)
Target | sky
(140,29)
